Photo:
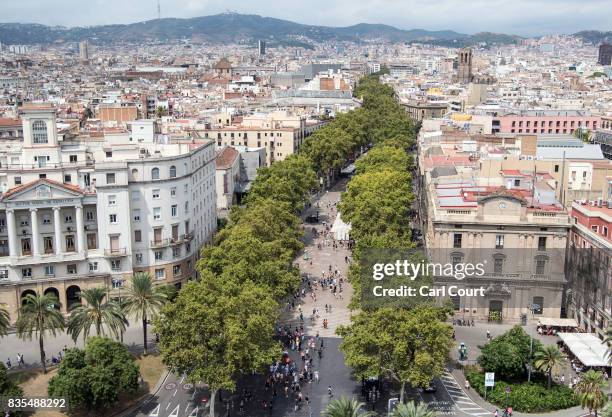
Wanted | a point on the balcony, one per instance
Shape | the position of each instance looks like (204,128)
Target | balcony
(188,236)
(116,252)
(160,243)
(177,240)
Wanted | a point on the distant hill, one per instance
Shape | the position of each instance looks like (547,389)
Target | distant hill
(233,27)
(595,36)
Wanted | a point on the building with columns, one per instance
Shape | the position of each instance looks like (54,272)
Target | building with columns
(79,211)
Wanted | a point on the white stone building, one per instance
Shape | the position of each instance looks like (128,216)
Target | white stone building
(83,211)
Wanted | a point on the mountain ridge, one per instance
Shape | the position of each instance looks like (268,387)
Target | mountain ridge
(233,27)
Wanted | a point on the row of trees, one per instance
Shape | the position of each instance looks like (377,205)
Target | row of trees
(222,326)
(408,345)
(40,315)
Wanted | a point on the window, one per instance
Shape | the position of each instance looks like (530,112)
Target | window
(159,255)
(49,270)
(517,183)
(26,249)
(109,154)
(176,252)
(457,237)
(137,236)
(135,196)
(172,171)
(540,266)
(89,216)
(39,131)
(595,229)
(156,213)
(498,265)
(48,244)
(92,241)
(73,159)
(116,264)
(67,179)
(456,300)
(70,243)
(26,272)
(155,174)
(176,270)
(605,231)
(174,210)
(455,259)
(112,200)
(112,218)
(186,206)
(556,168)
(17,180)
(93,267)
(160,274)
(537,306)
(139,258)
(155,193)
(542,243)
(136,215)
(499,241)
(110,178)
(71,269)
(23,221)
(173,192)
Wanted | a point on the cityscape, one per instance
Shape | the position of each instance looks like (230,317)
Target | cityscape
(217,209)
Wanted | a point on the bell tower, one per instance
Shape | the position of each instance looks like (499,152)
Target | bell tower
(39,126)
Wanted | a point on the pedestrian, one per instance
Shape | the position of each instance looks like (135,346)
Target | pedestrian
(489,337)
(330,392)
(316,376)
(8,363)
(467,385)
(496,413)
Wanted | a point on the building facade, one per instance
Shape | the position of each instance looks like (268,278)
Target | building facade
(79,212)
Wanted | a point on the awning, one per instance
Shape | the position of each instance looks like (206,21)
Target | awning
(587,348)
(558,322)
(340,229)
(349,169)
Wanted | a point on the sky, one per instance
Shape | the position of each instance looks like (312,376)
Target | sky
(520,17)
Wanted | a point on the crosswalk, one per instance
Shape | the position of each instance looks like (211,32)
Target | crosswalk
(460,398)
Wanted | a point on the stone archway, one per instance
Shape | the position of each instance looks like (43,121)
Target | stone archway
(25,293)
(73,297)
(54,291)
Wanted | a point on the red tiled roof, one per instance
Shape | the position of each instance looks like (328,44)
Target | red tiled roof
(226,157)
(9,122)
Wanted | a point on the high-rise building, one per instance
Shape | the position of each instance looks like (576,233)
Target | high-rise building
(262,48)
(605,54)
(83,51)
(464,66)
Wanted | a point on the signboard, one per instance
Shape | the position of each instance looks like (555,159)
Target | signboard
(489,379)
(391,406)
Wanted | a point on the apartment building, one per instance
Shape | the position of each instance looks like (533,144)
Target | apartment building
(545,121)
(90,210)
(280,133)
(589,266)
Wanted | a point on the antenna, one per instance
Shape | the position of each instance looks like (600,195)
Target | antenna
(158,11)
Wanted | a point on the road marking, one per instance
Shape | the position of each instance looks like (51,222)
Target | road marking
(174,393)
(175,412)
(155,412)
(460,398)
(194,413)
(167,406)
(182,379)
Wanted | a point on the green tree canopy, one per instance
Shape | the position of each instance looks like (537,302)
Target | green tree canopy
(410,346)
(94,378)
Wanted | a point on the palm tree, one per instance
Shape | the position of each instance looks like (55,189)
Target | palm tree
(38,316)
(346,407)
(144,301)
(590,391)
(411,409)
(97,313)
(547,359)
(608,342)
(5,320)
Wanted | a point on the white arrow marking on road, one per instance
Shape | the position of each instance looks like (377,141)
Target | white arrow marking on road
(155,412)
(175,412)
(194,413)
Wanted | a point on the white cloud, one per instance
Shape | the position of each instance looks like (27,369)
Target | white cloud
(523,17)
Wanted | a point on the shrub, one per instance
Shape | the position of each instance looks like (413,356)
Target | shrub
(525,397)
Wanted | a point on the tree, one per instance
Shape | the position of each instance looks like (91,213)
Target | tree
(217,330)
(413,410)
(96,313)
(39,316)
(8,388)
(5,320)
(547,359)
(608,342)
(591,391)
(508,354)
(410,346)
(144,300)
(346,407)
(95,377)
(382,158)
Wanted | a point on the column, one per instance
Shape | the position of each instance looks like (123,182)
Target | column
(58,230)
(12,231)
(34,222)
(80,229)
